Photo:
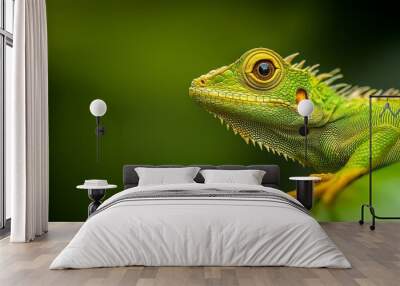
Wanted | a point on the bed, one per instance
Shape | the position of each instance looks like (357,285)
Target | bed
(198,224)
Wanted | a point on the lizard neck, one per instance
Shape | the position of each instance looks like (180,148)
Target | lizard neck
(281,140)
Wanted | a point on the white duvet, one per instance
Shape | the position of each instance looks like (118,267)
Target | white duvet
(200,231)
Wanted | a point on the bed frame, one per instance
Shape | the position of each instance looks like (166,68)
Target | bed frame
(270,179)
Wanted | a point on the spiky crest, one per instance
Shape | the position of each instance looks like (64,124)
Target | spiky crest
(343,89)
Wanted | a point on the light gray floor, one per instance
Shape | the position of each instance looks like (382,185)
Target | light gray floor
(375,257)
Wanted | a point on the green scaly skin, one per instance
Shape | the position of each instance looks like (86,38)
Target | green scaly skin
(267,117)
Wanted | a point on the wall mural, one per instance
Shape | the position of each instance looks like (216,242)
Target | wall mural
(257,97)
(157,50)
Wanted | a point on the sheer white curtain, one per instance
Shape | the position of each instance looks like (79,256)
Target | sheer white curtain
(27,124)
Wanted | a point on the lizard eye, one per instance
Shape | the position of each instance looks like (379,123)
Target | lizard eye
(264,69)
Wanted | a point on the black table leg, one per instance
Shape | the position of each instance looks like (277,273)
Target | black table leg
(305,193)
(95,195)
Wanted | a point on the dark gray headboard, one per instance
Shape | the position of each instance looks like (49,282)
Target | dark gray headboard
(271,178)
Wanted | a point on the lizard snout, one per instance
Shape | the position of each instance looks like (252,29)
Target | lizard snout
(199,82)
(203,80)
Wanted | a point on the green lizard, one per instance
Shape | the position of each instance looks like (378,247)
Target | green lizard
(257,97)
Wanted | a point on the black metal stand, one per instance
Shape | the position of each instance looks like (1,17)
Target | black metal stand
(370,203)
(95,195)
(100,130)
(304,132)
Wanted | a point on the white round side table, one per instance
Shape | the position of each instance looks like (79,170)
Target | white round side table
(96,190)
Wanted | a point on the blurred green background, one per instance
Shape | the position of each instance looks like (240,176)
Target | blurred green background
(140,57)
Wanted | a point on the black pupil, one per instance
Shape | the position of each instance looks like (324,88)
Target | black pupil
(264,69)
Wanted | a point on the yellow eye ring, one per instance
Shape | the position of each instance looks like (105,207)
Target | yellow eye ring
(262,69)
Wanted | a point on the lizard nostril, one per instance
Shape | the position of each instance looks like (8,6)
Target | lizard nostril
(203,81)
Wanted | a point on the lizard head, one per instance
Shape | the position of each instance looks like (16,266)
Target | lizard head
(257,96)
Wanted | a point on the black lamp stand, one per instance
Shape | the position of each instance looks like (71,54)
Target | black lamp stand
(100,131)
(304,132)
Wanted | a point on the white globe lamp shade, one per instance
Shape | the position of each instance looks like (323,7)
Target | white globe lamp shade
(305,107)
(98,107)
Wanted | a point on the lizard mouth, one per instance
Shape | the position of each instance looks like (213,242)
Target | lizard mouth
(207,95)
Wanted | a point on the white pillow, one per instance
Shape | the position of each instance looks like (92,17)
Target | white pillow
(248,177)
(165,176)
